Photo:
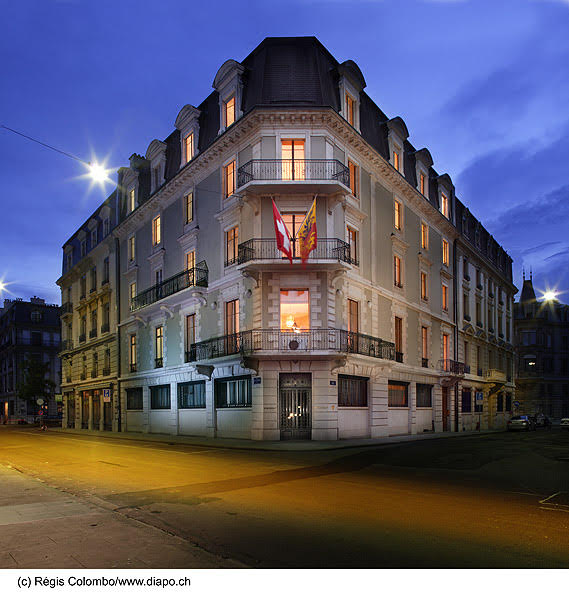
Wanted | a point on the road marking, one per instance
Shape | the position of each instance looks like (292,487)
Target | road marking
(549,497)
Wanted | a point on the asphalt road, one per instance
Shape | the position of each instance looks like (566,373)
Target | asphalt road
(494,500)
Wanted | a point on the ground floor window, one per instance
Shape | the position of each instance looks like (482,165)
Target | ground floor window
(424,395)
(160,397)
(508,402)
(500,402)
(134,398)
(191,395)
(352,391)
(466,400)
(233,392)
(397,394)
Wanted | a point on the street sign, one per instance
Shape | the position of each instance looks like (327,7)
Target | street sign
(479,396)
(106,395)
(40,401)
(516,403)
(257,380)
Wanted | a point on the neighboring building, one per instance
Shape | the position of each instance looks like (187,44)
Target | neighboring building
(89,324)
(485,296)
(28,331)
(221,336)
(542,343)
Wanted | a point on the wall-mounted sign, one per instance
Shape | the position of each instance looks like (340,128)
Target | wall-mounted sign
(332,383)
(106,395)
(257,380)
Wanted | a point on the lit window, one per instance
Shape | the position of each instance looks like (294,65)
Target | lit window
(424,236)
(397,158)
(189,207)
(350,111)
(190,330)
(446,351)
(354,175)
(397,394)
(398,325)
(424,294)
(397,215)
(424,342)
(132,351)
(397,271)
(131,200)
(229,111)
(156,231)
(189,143)
(190,260)
(445,297)
(352,391)
(353,242)
(293,163)
(159,342)
(422,183)
(353,316)
(131,249)
(231,251)
(295,313)
(445,205)
(229,179)
(232,317)
(446,255)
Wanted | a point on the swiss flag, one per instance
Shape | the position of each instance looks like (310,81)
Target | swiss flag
(281,232)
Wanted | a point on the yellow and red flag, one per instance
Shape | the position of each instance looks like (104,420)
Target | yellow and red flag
(307,235)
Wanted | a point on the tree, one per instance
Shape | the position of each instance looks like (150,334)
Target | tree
(35,383)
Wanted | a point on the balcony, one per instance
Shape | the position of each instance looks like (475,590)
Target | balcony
(106,371)
(159,362)
(92,333)
(496,376)
(399,356)
(132,368)
(275,341)
(424,362)
(94,373)
(105,328)
(83,376)
(67,345)
(323,176)
(453,368)
(66,309)
(196,277)
(264,251)
(82,338)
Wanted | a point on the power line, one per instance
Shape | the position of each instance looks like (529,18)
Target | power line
(39,142)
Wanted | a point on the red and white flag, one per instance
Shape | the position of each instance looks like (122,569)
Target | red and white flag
(281,232)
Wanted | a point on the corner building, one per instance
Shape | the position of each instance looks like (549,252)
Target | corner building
(219,334)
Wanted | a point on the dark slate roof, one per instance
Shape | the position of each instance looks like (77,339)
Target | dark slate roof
(528,293)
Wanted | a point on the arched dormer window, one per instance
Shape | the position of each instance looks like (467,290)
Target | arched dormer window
(351,84)
(423,162)
(228,83)
(187,123)
(446,192)
(397,135)
(156,155)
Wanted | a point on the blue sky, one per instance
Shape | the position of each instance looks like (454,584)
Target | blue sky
(483,85)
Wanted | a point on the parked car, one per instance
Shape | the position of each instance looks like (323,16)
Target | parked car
(521,422)
(565,423)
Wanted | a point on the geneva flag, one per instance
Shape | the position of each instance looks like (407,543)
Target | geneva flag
(281,233)
(307,236)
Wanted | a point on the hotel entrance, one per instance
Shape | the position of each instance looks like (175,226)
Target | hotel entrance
(295,406)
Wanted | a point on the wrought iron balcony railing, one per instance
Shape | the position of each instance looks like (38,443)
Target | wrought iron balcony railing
(66,345)
(399,356)
(256,340)
(66,308)
(289,170)
(196,277)
(450,366)
(105,328)
(425,362)
(159,362)
(82,338)
(133,368)
(92,333)
(266,249)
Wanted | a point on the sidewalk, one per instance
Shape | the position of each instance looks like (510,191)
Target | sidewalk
(276,445)
(42,527)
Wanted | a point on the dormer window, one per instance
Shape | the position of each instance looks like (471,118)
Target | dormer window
(351,84)
(397,157)
(187,123)
(83,247)
(131,200)
(350,109)
(445,205)
(422,183)
(229,112)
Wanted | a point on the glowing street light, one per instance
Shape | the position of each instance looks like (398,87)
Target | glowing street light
(548,296)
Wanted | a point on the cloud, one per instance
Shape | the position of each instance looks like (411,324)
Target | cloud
(558,254)
(539,248)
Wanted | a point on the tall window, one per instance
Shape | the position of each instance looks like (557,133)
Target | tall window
(352,391)
(189,207)
(353,316)
(93,279)
(466,353)
(106,270)
(445,205)
(229,179)
(397,158)
(132,293)
(350,109)
(465,306)
(160,397)
(397,214)
(232,317)
(293,164)
(159,345)
(132,353)
(425,346)
(397,271)
(191,395)
(190,330)
(424,289)
(422,183)
(446,347)
(131,248)
(189,142)
(353,242)
(131,200)
(445,297)
(106,317)
(295,309)
(106,227)
(229,111)
(156,231)
(399,337)
(354,177)
(95,366)
(466,400)
(190,260)
(231,245)
(93,238)
(446,256)
(397,395)
(83,248)
(424,236)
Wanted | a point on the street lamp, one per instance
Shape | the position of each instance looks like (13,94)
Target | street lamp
(549,296)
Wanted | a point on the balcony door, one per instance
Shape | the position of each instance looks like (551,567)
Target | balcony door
(293,163)
(293,221)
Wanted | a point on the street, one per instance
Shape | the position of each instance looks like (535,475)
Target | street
(489,500)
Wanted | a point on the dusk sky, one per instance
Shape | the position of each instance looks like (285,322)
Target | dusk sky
(484,85)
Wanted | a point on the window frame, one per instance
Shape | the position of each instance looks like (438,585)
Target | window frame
(201,398)
(430,396)
(189,207)
(156,230)
(160,407)
(397,214)
(139,397)
(351,401)
(391,384)
(226,186)
(227,404)
(234,242)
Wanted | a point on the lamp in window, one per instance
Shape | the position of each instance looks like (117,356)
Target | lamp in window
(291,324)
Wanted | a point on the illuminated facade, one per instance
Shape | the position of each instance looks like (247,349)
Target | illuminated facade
(219,334)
